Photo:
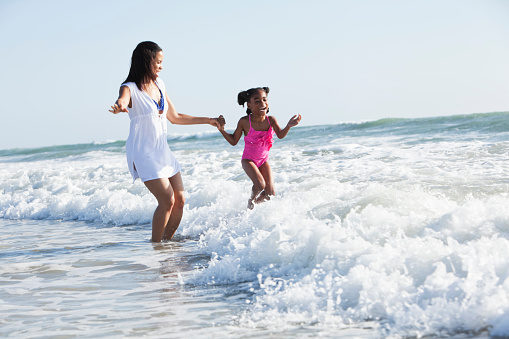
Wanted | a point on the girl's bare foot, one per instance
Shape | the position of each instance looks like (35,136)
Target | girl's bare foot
(250,204)
(262,198)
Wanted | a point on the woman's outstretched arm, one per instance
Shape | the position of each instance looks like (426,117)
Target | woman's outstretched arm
(184,119)
(123,101)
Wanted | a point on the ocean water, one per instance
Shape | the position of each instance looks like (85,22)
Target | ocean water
(393,228)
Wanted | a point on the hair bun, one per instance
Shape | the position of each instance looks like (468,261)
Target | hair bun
(242,98)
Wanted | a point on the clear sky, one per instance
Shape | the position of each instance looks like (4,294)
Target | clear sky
(61,62)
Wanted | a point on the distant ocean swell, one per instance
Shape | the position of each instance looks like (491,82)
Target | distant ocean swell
(399,225)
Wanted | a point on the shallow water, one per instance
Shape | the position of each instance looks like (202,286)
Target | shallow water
(394,228)
(79,279)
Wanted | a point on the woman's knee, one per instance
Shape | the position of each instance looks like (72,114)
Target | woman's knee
(167,202)
(180,199)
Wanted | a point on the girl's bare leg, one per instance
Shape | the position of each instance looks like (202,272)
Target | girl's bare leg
(269,183)
(178,207)
(170,204)
(256,177)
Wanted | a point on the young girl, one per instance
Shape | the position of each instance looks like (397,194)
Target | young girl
(258,129)
(149,158)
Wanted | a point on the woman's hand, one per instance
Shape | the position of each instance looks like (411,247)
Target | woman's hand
(216,121)
(117,108)
(124,99)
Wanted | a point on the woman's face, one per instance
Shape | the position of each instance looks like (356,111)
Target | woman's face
(258,103)
(157,63)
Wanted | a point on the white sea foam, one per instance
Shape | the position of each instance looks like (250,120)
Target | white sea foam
(404,233)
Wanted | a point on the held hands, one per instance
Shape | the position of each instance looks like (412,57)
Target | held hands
(294,121)
(221,122)
(217,122)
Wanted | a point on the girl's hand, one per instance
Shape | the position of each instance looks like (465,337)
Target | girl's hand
(222,122)
(117,108)
(294,121)
(215,122)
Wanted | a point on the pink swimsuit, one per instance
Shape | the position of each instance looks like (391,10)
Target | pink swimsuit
(257,144)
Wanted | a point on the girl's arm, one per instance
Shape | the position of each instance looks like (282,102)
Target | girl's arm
(123,101)
(184,119)
(281,133)
(234,138)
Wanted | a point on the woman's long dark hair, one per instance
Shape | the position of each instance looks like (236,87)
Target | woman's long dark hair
(244,96)
(141,63)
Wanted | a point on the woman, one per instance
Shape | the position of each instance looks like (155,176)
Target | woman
(143,96)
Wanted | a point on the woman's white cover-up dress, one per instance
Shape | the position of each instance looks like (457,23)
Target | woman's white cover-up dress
(148,154)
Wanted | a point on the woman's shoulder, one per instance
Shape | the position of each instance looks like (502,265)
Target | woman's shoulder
(129,85)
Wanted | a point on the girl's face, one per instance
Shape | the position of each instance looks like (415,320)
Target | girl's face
(258,103)
(157,63)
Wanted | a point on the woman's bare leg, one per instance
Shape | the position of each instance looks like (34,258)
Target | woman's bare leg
(163,192)
(256,177)
(178,206)
(170,199)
